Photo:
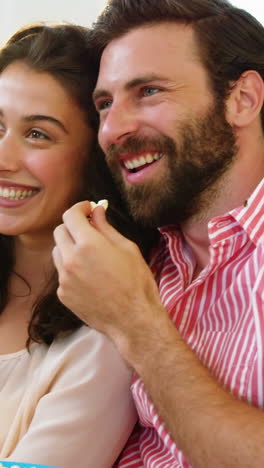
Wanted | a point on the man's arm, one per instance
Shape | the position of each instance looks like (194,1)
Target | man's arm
(208,424)
(97,266)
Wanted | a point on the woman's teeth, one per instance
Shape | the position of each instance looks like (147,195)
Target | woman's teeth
(12,194)
(142,160)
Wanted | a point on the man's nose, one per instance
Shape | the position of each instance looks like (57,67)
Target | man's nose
(9,153)
(120,123)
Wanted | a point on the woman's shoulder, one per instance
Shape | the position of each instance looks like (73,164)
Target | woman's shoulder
(84,339)
(77,354)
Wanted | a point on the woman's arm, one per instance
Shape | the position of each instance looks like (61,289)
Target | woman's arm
(88,414)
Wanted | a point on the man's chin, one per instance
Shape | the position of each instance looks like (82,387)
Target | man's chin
(144,213)
(140,212)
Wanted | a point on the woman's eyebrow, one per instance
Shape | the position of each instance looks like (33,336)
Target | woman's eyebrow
(34,117)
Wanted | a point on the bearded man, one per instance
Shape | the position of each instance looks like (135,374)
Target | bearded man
(180,96)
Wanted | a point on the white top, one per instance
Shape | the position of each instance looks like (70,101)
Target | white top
(67,404)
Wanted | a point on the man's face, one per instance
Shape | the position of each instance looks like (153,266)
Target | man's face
(164,135)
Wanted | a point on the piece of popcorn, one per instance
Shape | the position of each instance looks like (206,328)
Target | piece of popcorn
(103,203)
(92,205)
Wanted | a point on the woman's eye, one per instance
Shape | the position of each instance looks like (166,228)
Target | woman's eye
(36,134)
(2,128)
(149,91)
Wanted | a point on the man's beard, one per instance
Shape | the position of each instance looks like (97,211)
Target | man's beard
(205,148)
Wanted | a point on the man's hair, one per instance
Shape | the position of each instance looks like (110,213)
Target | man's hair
(64,52)
(229,39)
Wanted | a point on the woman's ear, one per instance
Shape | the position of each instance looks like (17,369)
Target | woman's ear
(245,100)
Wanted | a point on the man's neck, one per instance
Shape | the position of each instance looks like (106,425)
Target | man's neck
(232,192)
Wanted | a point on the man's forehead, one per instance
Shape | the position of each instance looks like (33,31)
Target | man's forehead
(176,35)
(147,50)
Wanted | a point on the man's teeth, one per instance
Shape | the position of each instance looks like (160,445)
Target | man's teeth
(12,194)
(142,160)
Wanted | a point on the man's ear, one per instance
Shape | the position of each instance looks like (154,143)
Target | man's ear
(245,100)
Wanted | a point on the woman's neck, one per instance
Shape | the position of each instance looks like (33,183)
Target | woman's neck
(33,262)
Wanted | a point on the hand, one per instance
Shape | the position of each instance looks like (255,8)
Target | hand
(102,276)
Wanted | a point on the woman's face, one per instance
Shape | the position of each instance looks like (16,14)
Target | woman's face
(44,143)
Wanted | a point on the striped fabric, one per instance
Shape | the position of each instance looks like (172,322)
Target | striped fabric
(219,314)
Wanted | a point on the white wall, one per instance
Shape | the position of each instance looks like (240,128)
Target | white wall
(16,13)
(255,7)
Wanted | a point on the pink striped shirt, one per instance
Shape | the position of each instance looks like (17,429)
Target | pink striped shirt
(220,315)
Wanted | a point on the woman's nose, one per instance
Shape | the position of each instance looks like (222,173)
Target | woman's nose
(9,153)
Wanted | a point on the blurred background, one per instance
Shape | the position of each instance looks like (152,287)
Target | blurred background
(17,13)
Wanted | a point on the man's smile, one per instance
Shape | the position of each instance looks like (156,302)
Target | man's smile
(135,163)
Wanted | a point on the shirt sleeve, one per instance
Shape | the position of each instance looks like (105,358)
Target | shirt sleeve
(88,414)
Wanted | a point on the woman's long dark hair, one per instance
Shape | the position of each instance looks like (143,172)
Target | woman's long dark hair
(64,51)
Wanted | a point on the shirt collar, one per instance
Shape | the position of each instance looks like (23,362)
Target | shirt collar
(249,217)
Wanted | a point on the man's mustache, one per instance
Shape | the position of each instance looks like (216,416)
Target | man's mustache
(134,145)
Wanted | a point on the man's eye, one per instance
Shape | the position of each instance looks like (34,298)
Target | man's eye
(102,105)
(36,134)
(150,91)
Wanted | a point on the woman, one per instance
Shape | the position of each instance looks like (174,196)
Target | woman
(64,390)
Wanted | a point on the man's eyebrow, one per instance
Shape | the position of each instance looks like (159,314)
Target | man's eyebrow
(141,80)
(99,93)
(34,117)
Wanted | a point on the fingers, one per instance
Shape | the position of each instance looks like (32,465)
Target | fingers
(80,228)
(57,258)
(63,240)
(76,222)
(102,225)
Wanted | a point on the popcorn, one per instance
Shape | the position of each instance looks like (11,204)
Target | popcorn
(103,203)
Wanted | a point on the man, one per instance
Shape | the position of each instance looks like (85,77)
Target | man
(180,95)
